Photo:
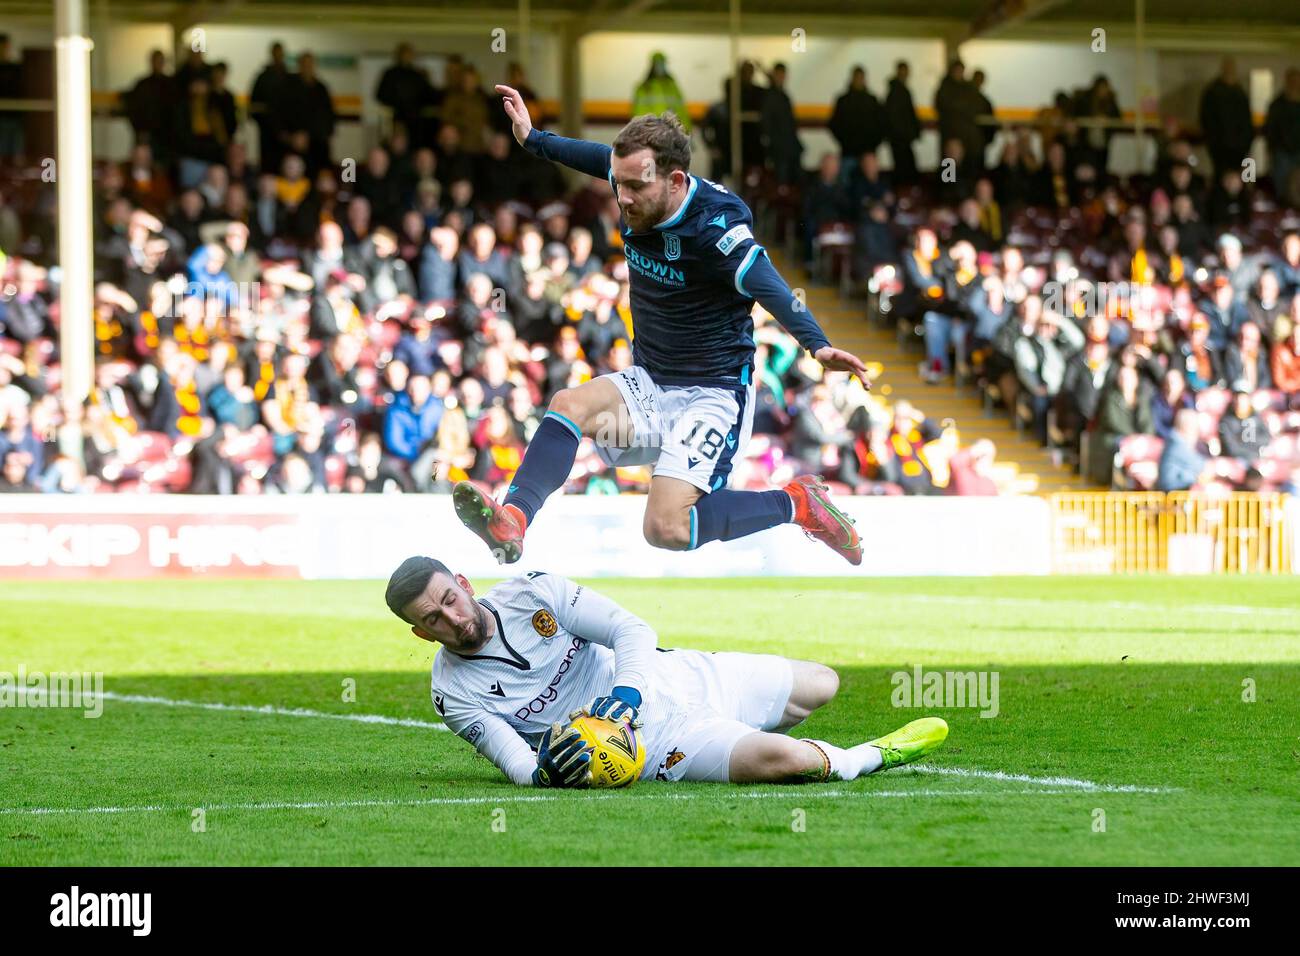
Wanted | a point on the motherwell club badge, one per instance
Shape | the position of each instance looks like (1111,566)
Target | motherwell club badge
(544,624)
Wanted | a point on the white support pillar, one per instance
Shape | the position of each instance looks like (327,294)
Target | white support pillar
(72,177)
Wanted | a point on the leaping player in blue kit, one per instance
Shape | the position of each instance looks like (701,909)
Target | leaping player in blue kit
(686,404)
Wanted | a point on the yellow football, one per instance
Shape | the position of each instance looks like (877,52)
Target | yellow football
(619,754)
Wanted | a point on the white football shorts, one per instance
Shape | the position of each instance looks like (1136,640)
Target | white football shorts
(732,695)
(690,432)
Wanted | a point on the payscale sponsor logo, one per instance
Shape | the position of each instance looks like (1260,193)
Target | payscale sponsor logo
(134,910)
(74,691)
(538,703)
(940,689)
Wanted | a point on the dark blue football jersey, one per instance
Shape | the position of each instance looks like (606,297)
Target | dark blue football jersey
(694,278)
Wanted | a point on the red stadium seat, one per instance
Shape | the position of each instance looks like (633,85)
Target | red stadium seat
(153,446)
(335,470)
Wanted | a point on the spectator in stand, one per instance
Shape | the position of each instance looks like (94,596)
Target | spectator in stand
(389,283)
(405,89)
(1245,363)
(1229,202)
(373,472)
(923,276)
(1226,122)
(412,420)
(781,132)
(1243,434)
(481,256)
(970,225)
(959,105)
(1041,359)
(947,325)
(1285,365)
(1224,312)
(903,127)
(1125,409)
(1282,130)
(1173,397)
(149,106)
(308,108)
(825,201)
(858,122)
(990,311)
(232,402)
(1202,363)
(908,436)
(15,472)
(971,470)
(266,108)
(821,438)
(1182,465)
(465,107)
(1088,373)
(499,449)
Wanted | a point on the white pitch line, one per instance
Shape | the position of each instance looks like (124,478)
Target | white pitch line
(1090,786)
(1164,609)
(798,794)
(272,710)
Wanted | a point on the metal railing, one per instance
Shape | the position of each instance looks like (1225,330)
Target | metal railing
(1181,532)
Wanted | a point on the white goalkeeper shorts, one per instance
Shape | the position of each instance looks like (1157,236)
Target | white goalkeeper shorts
(733,695)
(688,431)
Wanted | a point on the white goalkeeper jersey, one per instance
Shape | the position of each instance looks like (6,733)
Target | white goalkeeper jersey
(557,647)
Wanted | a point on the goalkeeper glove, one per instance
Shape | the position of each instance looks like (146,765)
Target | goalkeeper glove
(621,704)
(563,759)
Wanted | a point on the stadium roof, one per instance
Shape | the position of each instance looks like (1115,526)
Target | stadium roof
(1178,22)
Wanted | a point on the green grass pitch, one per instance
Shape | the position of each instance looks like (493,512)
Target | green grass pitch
(1121,702)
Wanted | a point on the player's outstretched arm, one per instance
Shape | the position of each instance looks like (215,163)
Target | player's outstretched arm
(585,157)
(759,278)
(490,735)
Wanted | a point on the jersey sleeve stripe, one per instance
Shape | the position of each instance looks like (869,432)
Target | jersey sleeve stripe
(745,263)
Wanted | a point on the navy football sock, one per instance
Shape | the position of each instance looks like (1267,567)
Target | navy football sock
(726,514)
(546,464)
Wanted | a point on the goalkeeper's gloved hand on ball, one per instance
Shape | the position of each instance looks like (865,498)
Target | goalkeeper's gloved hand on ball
(621,704)
(563,759)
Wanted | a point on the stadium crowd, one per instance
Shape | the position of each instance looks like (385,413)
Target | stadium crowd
(1146,327)
(399,321)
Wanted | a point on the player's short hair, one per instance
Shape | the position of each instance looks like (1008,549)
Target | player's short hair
(409,581)
(663,135)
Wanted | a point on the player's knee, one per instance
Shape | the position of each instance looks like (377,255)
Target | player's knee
(565,402)
(826,684)
(672,532)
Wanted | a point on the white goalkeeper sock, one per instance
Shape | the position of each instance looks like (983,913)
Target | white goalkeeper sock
(841,764)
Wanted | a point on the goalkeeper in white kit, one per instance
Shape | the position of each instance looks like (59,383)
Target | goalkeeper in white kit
(516,662)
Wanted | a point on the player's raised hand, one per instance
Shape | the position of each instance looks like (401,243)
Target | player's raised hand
(515,109)
(838,360)
(563,759)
